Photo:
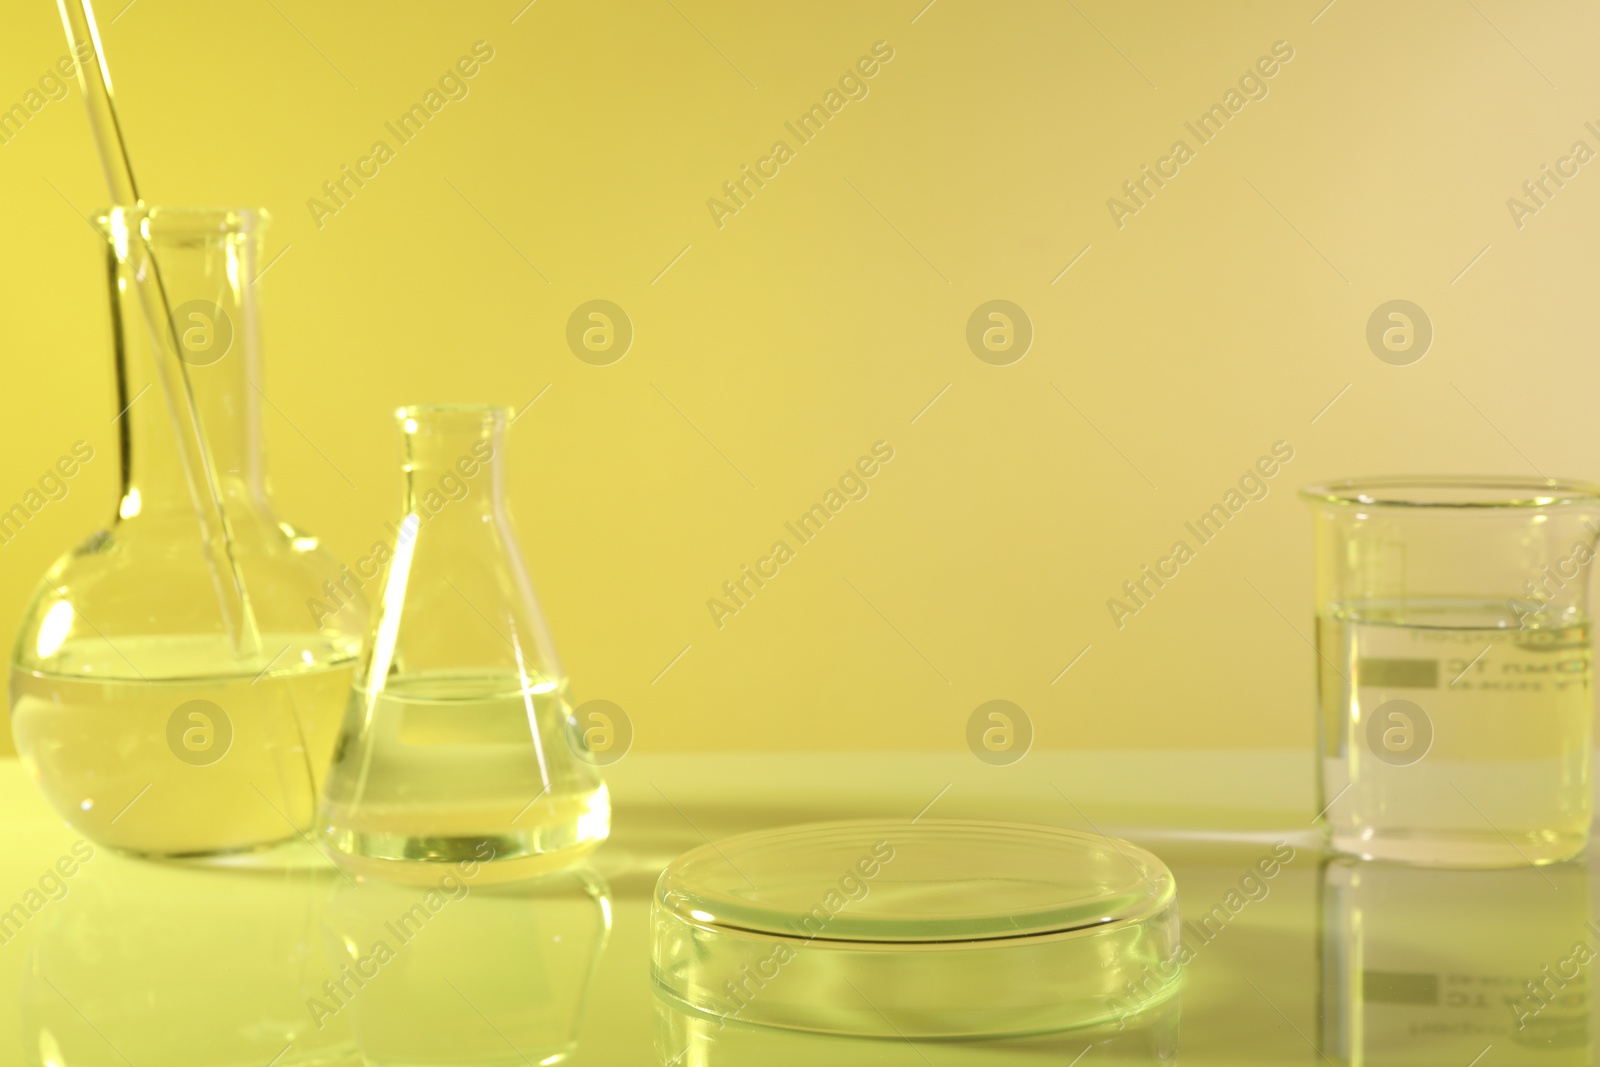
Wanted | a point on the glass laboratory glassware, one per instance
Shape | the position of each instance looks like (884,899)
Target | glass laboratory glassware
(1453,667)
(938,929)
(459,743)
(172,692)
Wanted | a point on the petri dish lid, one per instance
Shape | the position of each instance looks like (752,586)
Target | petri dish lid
(938,928)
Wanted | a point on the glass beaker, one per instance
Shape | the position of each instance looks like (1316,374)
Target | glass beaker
(1453,663)
(459,743)
(172,692)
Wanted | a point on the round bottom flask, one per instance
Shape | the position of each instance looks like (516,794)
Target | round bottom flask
(171,692)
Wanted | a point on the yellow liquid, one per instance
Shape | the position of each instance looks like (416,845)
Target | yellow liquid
(103,752)
(1503,780)
(447,768)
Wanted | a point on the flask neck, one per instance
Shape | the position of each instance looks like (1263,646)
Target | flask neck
(454,469)
(457,597)
(154,475)
(187,386)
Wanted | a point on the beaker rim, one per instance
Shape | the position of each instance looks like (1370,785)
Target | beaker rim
(159,221)
(1457,491)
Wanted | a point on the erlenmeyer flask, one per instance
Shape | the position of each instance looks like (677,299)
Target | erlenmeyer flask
(173,691)
(459,742)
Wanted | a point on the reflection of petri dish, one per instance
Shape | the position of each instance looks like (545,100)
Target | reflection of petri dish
(939,928)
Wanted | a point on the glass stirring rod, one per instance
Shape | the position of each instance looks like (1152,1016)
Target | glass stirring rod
(216,535)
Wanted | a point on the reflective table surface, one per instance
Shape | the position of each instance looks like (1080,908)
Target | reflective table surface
(1291,957)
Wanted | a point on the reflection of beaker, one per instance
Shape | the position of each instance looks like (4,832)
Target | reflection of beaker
(1432,966)
(458,741)
(155,964)
(688,1039)
(172,691)
(463,973)
(1454,674)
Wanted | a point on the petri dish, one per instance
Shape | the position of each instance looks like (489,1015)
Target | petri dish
(936,928)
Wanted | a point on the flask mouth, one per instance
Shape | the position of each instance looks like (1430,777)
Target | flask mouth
(161,224)
(458,415)
(1453,491)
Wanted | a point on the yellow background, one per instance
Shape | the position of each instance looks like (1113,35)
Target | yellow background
(829,312)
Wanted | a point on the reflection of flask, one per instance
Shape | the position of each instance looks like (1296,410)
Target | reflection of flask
(461,972)
(150,963)
(458,740)
(171,690)
(1432,966)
